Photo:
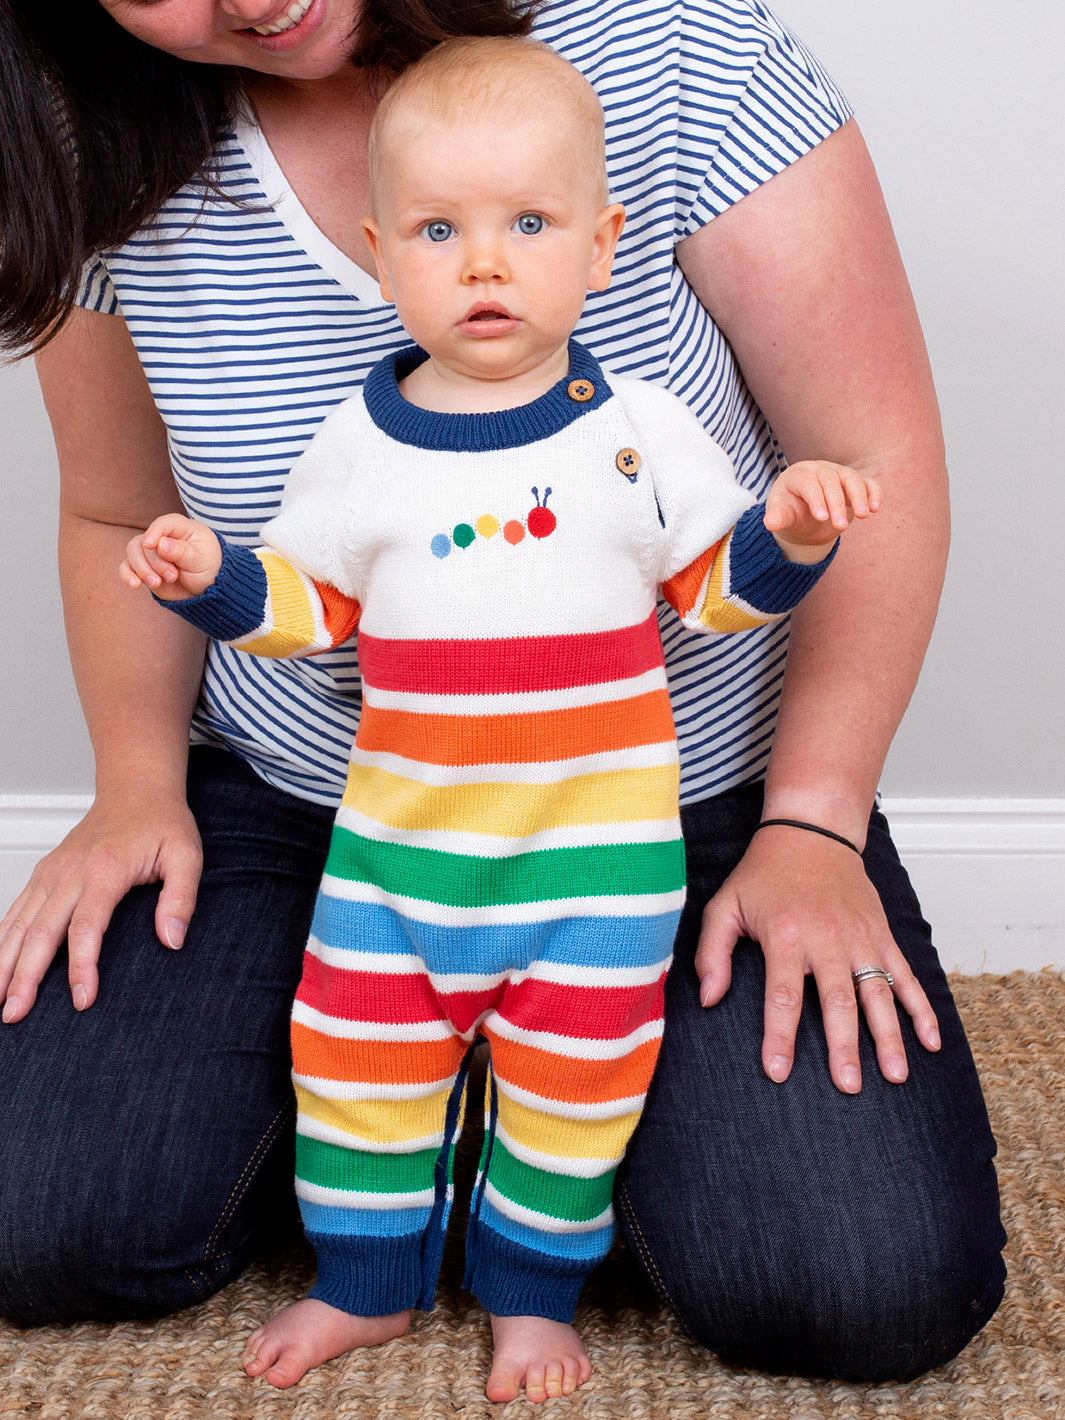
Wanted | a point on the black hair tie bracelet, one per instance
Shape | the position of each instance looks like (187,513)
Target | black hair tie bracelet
(810,828)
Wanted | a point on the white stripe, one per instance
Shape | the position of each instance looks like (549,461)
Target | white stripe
(339,1029)
(329,1134)
(364,1090)
(491,845)
(545,1222)
(341,1198)
(570,1046)
(504,914)
(552,771)
(606,1109)
(556,1163)
(516,703)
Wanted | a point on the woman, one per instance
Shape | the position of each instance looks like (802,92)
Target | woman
(837,1217)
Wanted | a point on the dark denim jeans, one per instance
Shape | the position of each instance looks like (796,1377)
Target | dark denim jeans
(793,1228)
(147,1143)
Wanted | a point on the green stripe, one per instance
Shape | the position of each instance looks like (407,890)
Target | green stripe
(460,880)
(577,1200)
(360,1171)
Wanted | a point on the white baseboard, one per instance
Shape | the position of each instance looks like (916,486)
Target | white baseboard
(990,873)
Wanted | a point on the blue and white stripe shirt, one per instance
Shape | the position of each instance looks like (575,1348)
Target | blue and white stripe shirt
(251,326)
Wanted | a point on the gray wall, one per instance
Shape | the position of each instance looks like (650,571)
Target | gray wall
(961,104)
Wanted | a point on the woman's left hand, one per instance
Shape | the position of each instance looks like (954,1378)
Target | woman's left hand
(809,904)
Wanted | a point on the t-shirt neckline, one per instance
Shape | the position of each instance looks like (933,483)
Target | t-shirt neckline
(298,222)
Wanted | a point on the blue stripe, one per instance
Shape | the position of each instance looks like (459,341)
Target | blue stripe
(326,1220)
(584,1247)
(571,941)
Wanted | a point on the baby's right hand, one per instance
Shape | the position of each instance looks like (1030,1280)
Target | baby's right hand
(176,557)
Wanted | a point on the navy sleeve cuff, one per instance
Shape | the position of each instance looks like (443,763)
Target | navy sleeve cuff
(761,574)
(234,603)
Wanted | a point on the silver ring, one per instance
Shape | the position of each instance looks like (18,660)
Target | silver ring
(871,973)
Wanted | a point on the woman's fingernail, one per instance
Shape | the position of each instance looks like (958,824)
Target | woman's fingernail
(778,1068)
(175,932)
(851,1079)
(10,1010)
(896,1067)
(81,997)
(934,1041)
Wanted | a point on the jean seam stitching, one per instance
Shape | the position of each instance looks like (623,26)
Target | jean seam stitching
(241,1187)
(643,1249)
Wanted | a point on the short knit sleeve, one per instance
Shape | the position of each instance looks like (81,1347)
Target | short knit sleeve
(96,292)
(755,100)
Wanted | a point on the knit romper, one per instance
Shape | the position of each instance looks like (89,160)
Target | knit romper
(506,863)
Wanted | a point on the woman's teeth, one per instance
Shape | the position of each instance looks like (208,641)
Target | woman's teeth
(288,20)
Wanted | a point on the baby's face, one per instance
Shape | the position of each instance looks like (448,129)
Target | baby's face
(489,232)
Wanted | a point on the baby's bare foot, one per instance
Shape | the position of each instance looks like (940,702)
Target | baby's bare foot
(545,1357)
(309,1333)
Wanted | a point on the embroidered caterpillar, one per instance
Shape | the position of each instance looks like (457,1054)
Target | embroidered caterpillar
(541,522)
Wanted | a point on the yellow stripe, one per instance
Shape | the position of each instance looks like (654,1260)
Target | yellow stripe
(512,810)
(566,1138)
(390,1121)
(293,628)
(720,615)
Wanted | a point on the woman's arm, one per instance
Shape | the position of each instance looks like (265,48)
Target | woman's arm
(805,280)
(138,671)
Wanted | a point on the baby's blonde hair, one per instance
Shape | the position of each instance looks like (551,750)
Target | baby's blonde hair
(491,74)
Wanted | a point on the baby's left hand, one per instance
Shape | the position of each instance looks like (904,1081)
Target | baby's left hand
(812,502)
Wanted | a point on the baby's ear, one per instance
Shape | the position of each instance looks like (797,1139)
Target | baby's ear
(372,233)
(608,226)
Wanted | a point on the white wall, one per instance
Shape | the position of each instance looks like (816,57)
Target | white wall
(961,102)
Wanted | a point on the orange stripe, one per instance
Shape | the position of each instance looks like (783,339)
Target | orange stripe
(414,1062)
(574,1081)
(519,739)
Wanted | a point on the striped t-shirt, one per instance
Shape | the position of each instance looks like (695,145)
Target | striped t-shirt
(252,326)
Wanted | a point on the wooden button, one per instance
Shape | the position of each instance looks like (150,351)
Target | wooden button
(628,461)
(581,390)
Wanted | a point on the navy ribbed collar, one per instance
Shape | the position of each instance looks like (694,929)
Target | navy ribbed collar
(472,433)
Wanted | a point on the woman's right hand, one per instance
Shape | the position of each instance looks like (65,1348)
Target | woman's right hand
(119,844)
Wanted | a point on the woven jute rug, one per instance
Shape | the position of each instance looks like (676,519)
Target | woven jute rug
(187,1365)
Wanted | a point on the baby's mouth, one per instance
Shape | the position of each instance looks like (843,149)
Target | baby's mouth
(486,311)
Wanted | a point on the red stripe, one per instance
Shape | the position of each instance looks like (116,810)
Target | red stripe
(509,665)
(405,998)
(583,1012)
(392,998)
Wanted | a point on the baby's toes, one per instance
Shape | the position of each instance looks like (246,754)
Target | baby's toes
(554,1378)
(288,1368)
(535,1389)
(571,1375)
(259,1353)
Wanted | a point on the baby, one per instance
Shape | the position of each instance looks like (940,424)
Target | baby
(495,514)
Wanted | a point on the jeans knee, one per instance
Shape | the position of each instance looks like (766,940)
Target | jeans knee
(76,1269)
(804,1308)
(124,1258)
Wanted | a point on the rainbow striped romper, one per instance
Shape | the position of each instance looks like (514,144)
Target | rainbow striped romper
(506,863)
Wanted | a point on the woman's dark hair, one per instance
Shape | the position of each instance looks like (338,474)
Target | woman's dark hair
(97,130)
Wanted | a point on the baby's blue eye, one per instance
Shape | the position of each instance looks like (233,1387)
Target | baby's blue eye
(438,231)
(529,224)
